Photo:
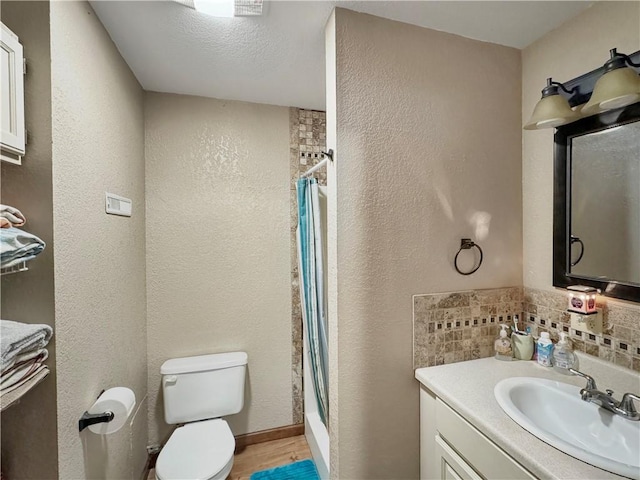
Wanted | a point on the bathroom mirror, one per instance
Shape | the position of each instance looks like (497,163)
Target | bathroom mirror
(596,238)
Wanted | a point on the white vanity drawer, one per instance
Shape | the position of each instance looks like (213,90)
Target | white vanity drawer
(477,450)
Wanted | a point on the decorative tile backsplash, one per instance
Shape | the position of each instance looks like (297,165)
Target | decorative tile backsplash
(453,327)
(458,326)
(619,343)
(307,139)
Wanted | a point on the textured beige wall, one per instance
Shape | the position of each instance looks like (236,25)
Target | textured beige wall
(218,262)
(29,427)
(428,143)
(98,146)
(332,245)
(578,46)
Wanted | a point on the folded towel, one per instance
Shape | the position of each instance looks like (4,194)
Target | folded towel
(13,215)
(19,373)
(13,394)
(41,354)
(17,246)
(18,338)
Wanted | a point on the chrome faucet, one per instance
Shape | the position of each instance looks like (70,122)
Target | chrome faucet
(624,407)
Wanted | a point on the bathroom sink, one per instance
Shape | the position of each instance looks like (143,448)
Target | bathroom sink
(555,413)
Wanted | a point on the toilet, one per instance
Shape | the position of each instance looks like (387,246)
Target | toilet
(197,392)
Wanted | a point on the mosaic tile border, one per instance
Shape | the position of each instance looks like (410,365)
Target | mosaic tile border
(446,325)
(458,326)
(619,342)
(307,139)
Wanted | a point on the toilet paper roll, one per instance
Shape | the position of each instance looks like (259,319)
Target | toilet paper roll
(120,401)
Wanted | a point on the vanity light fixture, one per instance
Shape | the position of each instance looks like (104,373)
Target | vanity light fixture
(553,109)
(618,87)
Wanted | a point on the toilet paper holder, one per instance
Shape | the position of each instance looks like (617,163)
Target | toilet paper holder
(93,418)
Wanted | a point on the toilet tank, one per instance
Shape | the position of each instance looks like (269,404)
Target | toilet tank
(203,387)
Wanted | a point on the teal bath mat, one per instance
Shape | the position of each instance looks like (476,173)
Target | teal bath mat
(304,470)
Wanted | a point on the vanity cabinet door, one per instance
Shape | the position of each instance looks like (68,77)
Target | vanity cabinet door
(478,450)
(452,448)
(451,465)
(12,131)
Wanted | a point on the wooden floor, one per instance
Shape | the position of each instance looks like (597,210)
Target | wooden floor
(262,456)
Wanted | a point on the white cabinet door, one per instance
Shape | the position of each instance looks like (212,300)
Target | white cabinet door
(12,130)
(452,448)
(452,466)
(478,450)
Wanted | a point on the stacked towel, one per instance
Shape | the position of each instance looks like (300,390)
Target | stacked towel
(18,339)
(18,246)
(11,217)
(22,356)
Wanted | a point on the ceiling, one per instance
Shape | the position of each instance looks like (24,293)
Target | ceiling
(278,58)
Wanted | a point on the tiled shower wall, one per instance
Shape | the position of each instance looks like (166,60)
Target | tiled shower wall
(307,133)
(453,327)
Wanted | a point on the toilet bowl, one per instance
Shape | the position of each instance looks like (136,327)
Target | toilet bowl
(197,451)
(198,391)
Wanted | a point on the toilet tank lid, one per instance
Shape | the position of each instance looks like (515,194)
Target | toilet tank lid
(202,363)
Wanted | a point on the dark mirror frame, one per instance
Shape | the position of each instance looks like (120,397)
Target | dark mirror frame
(562,202)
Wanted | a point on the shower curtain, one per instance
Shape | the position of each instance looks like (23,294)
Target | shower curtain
(312,289)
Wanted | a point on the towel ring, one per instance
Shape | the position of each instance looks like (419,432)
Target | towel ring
(466,244)
(575,239)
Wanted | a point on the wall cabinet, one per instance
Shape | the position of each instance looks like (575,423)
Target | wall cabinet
(12,127)
(453,449)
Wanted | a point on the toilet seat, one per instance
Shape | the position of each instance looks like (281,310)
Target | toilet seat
(197,451)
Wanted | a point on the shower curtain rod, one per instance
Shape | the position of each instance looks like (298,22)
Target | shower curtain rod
(315,168)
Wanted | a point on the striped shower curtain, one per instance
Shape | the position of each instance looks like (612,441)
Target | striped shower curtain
(312,289)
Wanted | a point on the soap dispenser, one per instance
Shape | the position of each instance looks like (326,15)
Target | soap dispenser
(563,356)
(502,345)
(544,347)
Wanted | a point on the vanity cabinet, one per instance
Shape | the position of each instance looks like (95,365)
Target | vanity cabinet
(450,466)
(453,449)
(12,127)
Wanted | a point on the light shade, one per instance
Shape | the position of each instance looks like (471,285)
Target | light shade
(551,111)
(615,89)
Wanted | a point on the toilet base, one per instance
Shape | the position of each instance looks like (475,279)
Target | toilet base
(223,475)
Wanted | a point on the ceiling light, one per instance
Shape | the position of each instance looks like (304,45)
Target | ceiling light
(226,8)
(553,109)
(215,8)
(618,87)
(248,8)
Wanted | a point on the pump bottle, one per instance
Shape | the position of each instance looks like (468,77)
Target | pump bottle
(502,345)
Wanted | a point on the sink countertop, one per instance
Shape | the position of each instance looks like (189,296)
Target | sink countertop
(468,388)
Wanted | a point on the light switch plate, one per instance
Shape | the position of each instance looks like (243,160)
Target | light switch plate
(587,323)
(117,205)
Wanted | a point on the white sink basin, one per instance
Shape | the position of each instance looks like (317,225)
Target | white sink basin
(555,413)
